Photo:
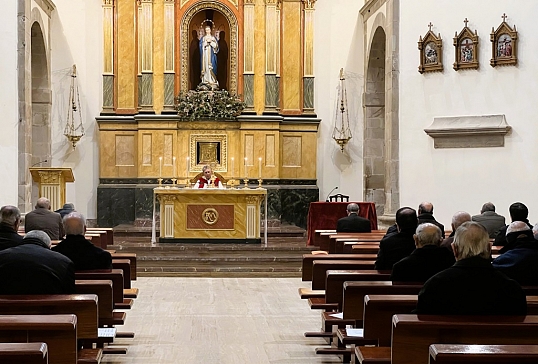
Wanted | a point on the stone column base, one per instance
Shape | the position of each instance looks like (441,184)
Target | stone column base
(385,221)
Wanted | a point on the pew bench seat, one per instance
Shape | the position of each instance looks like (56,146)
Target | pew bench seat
(367,355)
(305,293)
(490,354)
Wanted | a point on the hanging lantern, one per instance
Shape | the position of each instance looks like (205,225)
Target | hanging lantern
(341,131)
(74,130)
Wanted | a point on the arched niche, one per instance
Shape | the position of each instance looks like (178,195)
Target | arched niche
(225,21)
(374,133)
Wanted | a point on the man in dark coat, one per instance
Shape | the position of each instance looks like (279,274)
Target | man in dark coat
(518,212)
(353,223)
(489,219)
(32,268)
(66,209)
(43,219)
(520,261)
(398,245)
(426,260)
(10,219)
(471,286)
(82,252)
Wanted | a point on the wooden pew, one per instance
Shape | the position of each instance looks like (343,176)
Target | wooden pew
(412,335)
(308,260)
(491,354)
(24,353)
(320,268)
(336,240)
(354,293)
(58,331)
(103,289)
(340,242)
(125,266)
(84,306)
(114,275)
(109,233)
(132,260)
(364,249)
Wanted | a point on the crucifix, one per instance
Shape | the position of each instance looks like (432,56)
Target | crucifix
(430,26)
(504,17)
(466,21)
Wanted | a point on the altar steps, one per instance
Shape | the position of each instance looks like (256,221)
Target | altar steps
(282,257)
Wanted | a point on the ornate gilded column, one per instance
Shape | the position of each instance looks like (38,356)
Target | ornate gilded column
(248,45)
(291,102)
(145,55)
(278,44)
(272,52)
(108,57)
(308,69)
(169,64)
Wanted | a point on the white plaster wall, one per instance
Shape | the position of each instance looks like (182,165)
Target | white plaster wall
(463,179)
(338,43)
(76,35)
(8,104)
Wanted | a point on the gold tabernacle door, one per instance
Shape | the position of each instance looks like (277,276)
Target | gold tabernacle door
(210,215)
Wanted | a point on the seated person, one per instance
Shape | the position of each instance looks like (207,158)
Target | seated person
(425,214)
(520,261)
(426,260)
(471,286)
(535,231)
(489,219)
(32,268)
(205,180)
(396,246)
(10,218)
(66,209)
(457,219)
(353,223)
(82,252)
(45,220)
(518,212)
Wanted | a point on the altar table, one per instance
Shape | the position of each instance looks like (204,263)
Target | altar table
(210,215)
(324,215)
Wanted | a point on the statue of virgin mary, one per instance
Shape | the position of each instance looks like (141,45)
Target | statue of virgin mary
(209,47)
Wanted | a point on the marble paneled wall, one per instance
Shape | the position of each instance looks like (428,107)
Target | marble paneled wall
(128,201)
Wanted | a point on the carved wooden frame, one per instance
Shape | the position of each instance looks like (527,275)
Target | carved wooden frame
(426,64)
(221,139)
(465,33)
(184,41)
(503,30)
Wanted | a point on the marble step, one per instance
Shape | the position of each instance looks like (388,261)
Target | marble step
(217,271)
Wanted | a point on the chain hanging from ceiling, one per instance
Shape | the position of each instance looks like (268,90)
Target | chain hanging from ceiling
(74,129)
(341,131)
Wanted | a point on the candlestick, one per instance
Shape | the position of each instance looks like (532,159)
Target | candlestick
(260,168)
(233,167)
(246,168)
(160,167)
(174,163)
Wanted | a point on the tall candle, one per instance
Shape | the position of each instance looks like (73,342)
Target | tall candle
(160,167)
(174,162)
(233,167)
(187,167)
(246,167)
(260,168)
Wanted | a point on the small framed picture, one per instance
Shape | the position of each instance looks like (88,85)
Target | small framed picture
(466,49)
(431,52)
(503,45)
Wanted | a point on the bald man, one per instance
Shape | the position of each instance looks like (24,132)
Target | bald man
(45,220)
(82,252)
(426,260)
(353,223)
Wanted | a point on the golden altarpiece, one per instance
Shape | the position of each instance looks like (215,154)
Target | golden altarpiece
(153,52)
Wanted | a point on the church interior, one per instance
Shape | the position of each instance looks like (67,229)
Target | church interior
(123,104)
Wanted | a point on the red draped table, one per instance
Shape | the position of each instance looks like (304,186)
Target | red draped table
(324,215)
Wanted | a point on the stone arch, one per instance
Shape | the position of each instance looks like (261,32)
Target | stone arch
(374,126)
(41,97)
(233,41)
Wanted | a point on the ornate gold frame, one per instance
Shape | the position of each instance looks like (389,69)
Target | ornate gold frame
(497,58)
(184,37)
(222,139)
(430,62)
(459,40)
